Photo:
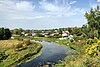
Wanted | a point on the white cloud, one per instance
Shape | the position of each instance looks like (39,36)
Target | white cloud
(25,10)
(25,6)
(12,10)
(27,18)
(98,0)
(64,9)
(72,2)
(49,6)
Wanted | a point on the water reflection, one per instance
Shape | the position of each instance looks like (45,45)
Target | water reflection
(51,54)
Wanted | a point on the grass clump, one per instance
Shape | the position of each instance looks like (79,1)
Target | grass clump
(19,45)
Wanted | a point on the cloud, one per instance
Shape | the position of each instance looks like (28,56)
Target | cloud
(17,17)
(64,9)
(12,10)
(25,10)
(49,6)
(72,2)
(98,0)
(25,6)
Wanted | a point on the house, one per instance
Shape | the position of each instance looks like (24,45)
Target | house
(65,33)
(26,34)
(47,35)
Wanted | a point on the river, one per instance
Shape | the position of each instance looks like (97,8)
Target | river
(51,53)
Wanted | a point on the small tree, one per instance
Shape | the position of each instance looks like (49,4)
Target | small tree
(17,31)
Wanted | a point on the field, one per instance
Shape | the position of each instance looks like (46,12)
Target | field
(11,55)
(8,43)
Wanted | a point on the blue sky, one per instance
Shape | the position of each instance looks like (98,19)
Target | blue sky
(44,14)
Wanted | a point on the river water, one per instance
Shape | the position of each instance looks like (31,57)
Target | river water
(51,53)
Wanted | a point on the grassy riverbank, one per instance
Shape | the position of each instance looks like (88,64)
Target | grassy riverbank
(88,52)
(13,52)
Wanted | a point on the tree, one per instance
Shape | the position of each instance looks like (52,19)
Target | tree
(93,18)
(5,33)
(17,31)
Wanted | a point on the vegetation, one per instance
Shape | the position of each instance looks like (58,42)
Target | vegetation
(93,47)
(93,18)
(13,52)
(86,42)
(5,34)
(91,57)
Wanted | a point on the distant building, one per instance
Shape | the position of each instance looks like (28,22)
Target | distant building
(65,33)
(26,34)
(70,37)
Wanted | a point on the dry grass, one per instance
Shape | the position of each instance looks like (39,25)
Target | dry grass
(8,43)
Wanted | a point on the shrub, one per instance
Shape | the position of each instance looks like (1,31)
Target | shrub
(95,40)
(5,34)
(19,45)
(27,41)
(24,45)
(93,50)
(76,38)
(2,56)
(96,33)
(91,41)
(84,35)
(92,62)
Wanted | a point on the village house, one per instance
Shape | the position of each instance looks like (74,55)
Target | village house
(65,35)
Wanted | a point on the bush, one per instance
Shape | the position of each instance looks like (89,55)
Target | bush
(91,41)
(2,56)
(84,35)
(27,41)
(19,45)
(5,34)
(76,38)
(92,62)
(94,49)
(24,45)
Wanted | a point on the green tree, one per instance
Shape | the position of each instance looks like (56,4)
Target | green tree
(93,18)
(5,33)
(17,31)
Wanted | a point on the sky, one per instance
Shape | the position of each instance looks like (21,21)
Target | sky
(44,14)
